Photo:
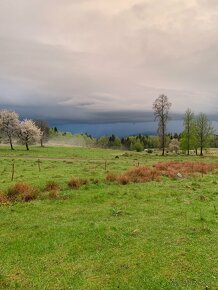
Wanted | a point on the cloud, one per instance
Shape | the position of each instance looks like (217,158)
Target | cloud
(97,59)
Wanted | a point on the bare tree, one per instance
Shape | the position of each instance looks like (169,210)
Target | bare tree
(9,124)
(43,126)
(161,107)
(29,133)
(204,131)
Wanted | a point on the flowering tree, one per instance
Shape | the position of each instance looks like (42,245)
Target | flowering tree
(29,133)
(174,145)
(9,125)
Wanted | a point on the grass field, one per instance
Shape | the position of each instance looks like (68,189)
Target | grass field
(155,235)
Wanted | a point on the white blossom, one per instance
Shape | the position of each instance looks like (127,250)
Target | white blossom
(9,125)
(29,133)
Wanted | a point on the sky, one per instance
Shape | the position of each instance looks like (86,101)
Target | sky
(99,61)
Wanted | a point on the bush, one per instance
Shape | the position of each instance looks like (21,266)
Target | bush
(138,146)
(51,186)
(22,191)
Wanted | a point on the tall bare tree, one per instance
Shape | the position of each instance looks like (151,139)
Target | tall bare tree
(161,107)
(9,124)
(204,131)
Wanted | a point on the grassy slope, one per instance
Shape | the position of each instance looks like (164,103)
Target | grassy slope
(106,236)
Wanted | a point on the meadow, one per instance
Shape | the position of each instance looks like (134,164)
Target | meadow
(106,235)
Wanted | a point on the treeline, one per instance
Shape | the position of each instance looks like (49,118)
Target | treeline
(198,133)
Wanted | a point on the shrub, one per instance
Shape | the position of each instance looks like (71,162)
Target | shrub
(138,146)
(22,191)
(51,186)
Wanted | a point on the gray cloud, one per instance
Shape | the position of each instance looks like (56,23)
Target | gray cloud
(95,60)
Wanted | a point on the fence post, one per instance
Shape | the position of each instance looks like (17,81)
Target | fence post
(12,171)
(39,165)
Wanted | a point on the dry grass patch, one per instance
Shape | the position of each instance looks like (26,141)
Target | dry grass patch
(22,191)
(172,168)
(3,198)
(52,186)
(53,194)
(75,182)
(136,175)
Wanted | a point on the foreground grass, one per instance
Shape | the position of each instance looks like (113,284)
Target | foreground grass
(158,235)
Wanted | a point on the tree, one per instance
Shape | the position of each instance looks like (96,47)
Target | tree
(204,131)
(9,124)
(161,108)
(29,133)
(137,146)
(174,145)
(188,135)
(43,126)
(103,141)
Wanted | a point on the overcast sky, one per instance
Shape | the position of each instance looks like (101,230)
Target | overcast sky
(101,60)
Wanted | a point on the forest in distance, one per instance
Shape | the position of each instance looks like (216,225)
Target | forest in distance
(198,133)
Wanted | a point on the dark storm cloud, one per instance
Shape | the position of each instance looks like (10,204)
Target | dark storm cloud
(102,61)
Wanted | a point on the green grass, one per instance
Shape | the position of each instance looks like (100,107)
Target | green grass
(106,236)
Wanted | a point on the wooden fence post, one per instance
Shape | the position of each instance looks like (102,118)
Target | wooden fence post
(39,165)
(12,171)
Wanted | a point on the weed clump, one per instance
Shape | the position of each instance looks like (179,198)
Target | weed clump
(111,177)
(76,183)
(52,186)
(54,194)
(22,191)
(3,198)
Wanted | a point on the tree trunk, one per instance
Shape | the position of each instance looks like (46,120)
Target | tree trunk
(41,142)
(12,148)
(201,154)
(27,147)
